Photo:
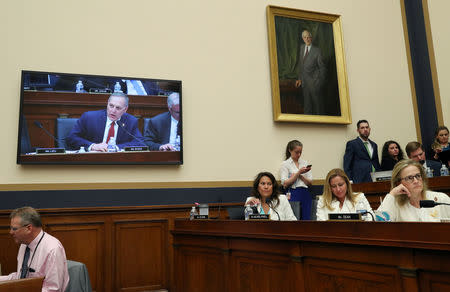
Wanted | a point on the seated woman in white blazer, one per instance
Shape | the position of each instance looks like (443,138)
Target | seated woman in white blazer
(409,187)
(265,194)
(338,196)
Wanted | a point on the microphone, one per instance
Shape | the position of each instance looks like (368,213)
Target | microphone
(39,125)
(122,125)
(269,202)
(430,204)
(367,212)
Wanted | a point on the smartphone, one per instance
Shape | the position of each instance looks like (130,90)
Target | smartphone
(309,165)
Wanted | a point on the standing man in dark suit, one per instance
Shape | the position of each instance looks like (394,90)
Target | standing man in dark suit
(94,129)
(415,151)
(361,155)
(164,129)
(311,75)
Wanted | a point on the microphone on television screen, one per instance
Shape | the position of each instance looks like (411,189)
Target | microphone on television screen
(430,204)
(39,125)
(122,125)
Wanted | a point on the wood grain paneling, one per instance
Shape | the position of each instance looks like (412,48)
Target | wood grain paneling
(328,275)
(8,249)
(434,282)
(260,272)
(141,251)
(83,242)
(202,270)
(318,256)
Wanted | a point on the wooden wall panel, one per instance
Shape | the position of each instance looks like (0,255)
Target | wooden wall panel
(203,269)
(327,275)
(7,247)
(434,282)
(83,242)
(141,251)
(260,272)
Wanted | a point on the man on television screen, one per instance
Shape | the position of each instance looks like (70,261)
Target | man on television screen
(94,129)
(163,131)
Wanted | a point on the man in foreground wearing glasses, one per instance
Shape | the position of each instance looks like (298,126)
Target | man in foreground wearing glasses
(408,188)
(40,254)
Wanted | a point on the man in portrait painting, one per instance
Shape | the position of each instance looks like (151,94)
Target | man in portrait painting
(311,75)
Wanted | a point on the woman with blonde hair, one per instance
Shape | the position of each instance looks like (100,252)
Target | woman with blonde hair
(338,196)
(408,188)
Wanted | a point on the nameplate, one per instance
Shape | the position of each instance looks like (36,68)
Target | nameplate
(258,217)
(344,216)
(136,148)
(100,90)
(50,150)
(200,216)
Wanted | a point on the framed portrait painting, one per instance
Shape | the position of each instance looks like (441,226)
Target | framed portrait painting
(307,64)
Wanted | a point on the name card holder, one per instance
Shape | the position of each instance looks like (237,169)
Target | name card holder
(50,150)
(201,217)
(258,217)
(344,216)
(135,148)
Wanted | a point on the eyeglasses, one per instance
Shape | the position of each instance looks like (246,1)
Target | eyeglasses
(410,178)
(17,228)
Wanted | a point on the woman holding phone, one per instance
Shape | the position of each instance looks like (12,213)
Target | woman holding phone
(296,177)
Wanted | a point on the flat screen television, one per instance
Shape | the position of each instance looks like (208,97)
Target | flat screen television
(91,119)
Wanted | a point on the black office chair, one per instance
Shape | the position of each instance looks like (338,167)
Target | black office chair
(296,208)
(25,144)
(63,128)
(146,122)
(236,212)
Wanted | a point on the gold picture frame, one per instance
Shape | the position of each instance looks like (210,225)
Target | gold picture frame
(313,90)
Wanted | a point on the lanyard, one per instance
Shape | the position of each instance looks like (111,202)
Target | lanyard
(34,253)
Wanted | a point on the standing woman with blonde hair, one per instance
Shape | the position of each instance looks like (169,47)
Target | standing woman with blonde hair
(338,196)
(296,177)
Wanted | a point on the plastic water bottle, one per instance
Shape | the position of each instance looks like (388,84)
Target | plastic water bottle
(112,147)
(444,170)
(429,172)
(117,87)
(361,209)
(177,145)
(248,211)
(192,213)
(79,87)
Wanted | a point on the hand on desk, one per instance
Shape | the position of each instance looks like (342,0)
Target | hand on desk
(166,147)
(101,147)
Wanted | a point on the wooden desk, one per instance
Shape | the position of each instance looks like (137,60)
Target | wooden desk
(21,285)
(145,157)
(374,190)
(311,256)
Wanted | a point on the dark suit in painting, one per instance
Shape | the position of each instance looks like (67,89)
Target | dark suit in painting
(311,72)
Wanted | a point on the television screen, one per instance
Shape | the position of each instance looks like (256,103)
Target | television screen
(90,119)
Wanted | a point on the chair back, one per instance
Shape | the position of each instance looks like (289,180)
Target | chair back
(236,212)
(78,277)
(146,122)
(63,128)
(296,208)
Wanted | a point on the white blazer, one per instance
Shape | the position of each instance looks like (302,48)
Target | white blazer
(283,210)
